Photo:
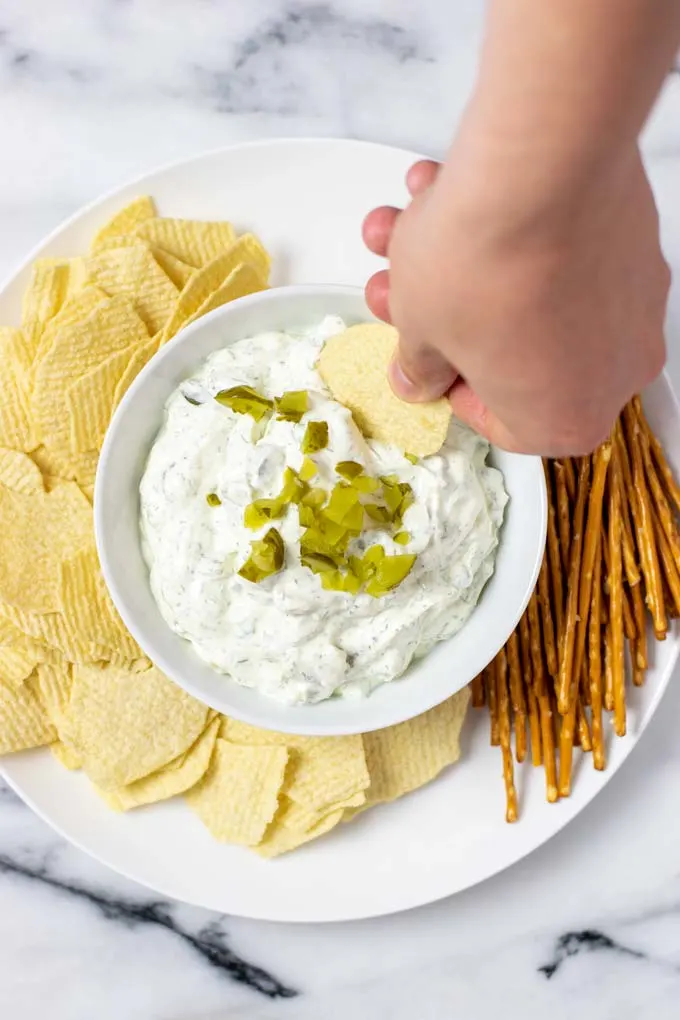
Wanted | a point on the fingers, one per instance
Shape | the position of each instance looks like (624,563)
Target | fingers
(421,175)
(377,229)
(377,295)
(420,373)
(469,409)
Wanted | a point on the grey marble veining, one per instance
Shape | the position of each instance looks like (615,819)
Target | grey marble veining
(91,93)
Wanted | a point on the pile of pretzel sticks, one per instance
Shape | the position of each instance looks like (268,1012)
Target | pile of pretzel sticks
(612,560)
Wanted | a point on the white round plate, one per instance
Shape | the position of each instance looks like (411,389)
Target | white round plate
(306,199)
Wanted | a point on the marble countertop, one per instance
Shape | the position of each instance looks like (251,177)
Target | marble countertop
(93,92)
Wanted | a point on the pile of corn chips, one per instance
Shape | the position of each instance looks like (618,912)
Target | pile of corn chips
(70,675)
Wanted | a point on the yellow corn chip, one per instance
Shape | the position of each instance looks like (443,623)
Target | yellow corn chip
(87,607)
(404,757)
(205,281)
(177,777)
(15,348)
(354,366)
(120,241)
(193,241)
(141,357)
(293,826)
(74,310)
(78,347)
(238,797)
(66,756)
(127,725)
(124,221)
(16,665)
(242,281)
(52,631)
(89,401)
(19,473)
(179,272)
(23,721)
(43,298)
(133,273)
(36,532)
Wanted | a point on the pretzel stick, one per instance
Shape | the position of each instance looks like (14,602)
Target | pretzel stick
(672,486)
(595,663)
(478,694)
(629,558)
(608,674)
(616,608)
(554,561)
(661,506)
(570,478)
(501,672)
(519,705)
(492,702)
(584,689)
(547,620)
(601,460)
(532,701)
(641,627)
(563,514)
(645,530)
(629,624)
(582,727)
(542,694)
(571,615)
(668,565)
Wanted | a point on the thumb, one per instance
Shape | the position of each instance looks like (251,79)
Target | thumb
(418,373)
(469,409)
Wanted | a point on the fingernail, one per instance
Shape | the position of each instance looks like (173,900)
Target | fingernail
(402,385)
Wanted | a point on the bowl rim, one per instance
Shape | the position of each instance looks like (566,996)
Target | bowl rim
(144,636)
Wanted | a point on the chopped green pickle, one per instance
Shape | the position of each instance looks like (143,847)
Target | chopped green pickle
(374,554)
(292,405)
(378,513)
(389,573)
(351,583)
(306,516)
(261,511)
(315,498)
(366,484)
(315,437)
(392,497)
(402,538)
(342,499)
(190,400)
(245,400)
(349,469)
(318,563)
(308,470)
(213,499)
(354,519)
(411,457)
(293,489)
(266,557)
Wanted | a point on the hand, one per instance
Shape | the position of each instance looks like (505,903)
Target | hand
(539,318)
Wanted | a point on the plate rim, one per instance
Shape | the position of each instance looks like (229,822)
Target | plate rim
(409,899)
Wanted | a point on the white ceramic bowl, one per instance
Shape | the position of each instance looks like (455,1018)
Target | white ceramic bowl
(448,668)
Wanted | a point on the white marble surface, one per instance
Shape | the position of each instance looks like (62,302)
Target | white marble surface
(92,92)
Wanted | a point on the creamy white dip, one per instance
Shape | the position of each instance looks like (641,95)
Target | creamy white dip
(286,635)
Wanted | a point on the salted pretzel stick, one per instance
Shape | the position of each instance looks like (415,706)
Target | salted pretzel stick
(478,693)
(554,560)
(519,705)
(638,601)
(571,615)
(532,701)
(645,529)
(582,727)
(501,674)
(492,702)
(629,623)
(549,643)
(661,505)
(601,460)
(570,478)
(543,696)
(628,542)
(616,609)
(563,514)
(672,486)
(669,567)
(608,674)
(595,663)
